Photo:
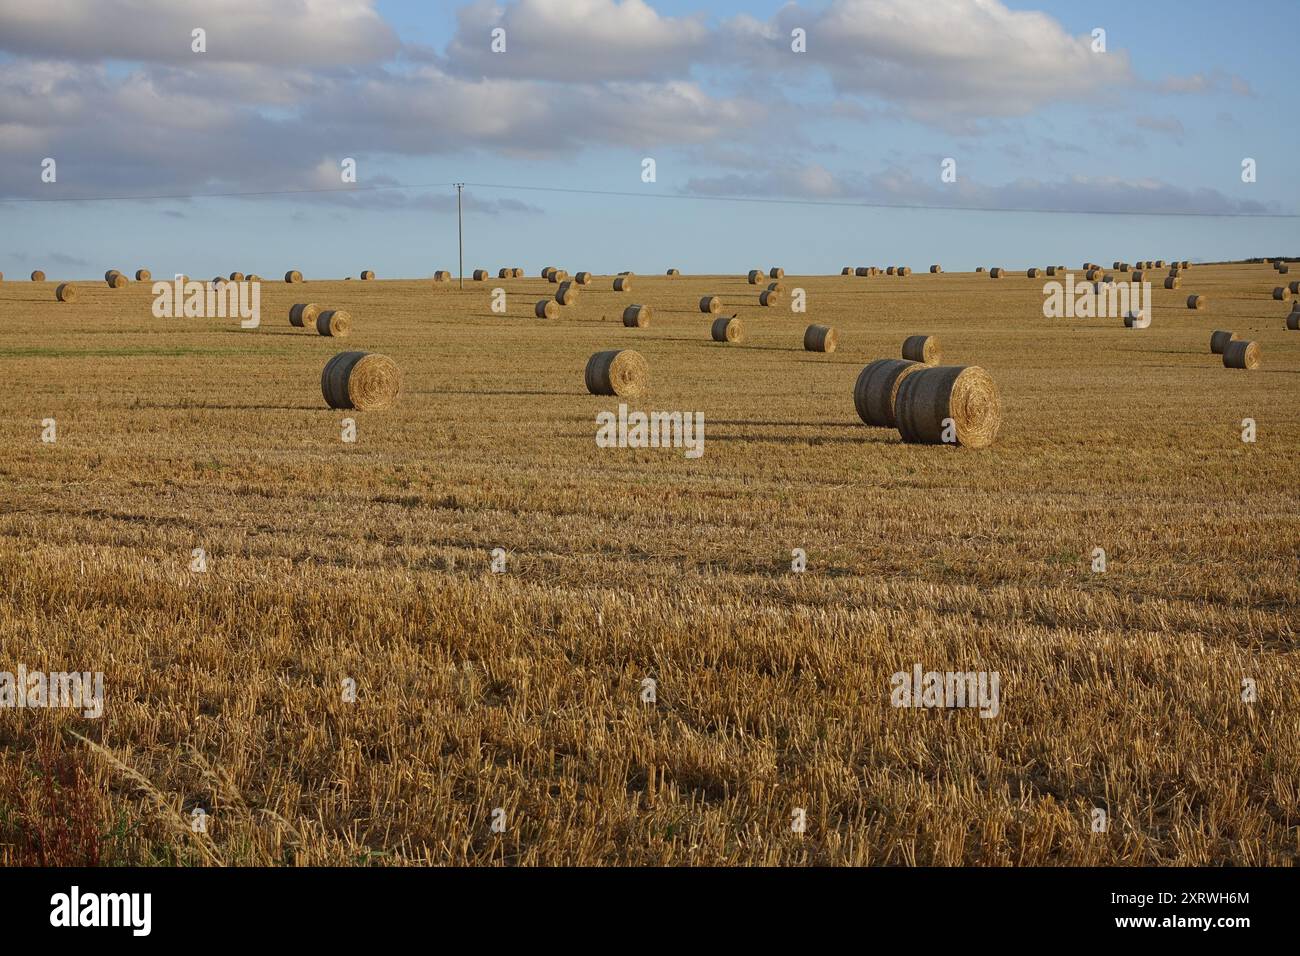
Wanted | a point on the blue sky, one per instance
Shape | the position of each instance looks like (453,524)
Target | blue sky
(587,89)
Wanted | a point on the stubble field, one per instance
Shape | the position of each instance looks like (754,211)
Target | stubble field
(522,691)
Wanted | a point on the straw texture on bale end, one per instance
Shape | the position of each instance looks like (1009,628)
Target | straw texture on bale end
(820,338)
(567,293)
(1219,340)
(621,372)
(557,276)
(66,292)
(727,328)
(365,381)
(949,404)
(995,273)
(367,273)
(623,284)
(143,275)
(479,275)
(335,323)
(903,271)
(1238,354)
(754,276)
(546,309)
(936,269)
(293,276)
(710,304)
(769,297)
(1196,302)
(442,275)
(923,348)
(636,316)
(1172,282)
(582,278)
(876,390)
(303,315)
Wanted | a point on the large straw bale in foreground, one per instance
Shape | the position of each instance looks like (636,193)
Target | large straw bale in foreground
(876,390)
(622,372)
(964,394)
(365,381)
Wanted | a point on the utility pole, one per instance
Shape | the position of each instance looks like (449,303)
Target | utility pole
(460,234)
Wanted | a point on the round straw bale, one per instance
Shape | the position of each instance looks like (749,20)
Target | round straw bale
(479,275)
(143,275)
(776,273)
(1196,301)
(567,293)
(293,276)
(979,268)
(1115,264)
(108,276)
(1051,270)
(334,322)
(303,315)
(236,277)
(904,271)
(1108,279)
(847,271)
(862,271)
(777,286)
(582,278)
(558,275)
(504,273)
(727,328)
(1219,340)
(820,338)
(923,348)
(627,272)
(1137,276)
(876,390)
(442,275)
(1283,269)
(1184,264)
(710,304)
(1172,282)
(117,281)
(636,316)
(365,381)
(1139,319)
(1241,355)
(674,272)
(995,273)
(1281,293)
(889,270)
(623,284)
(546,272)
(755,275)
(1124,267)
(1293,321)
(217,282)
(769,297)
(519,273)
(546,309)
(1160,263)
(1294,288)
(936,269)
(367,273)
(66,292)
(964,394)
(1031,273)
(621,372)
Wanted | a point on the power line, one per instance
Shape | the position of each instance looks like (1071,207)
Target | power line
(690,197)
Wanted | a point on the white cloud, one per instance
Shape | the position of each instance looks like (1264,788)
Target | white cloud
(319,33)
(576,41)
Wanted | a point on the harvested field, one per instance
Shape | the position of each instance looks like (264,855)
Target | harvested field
(330,561)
